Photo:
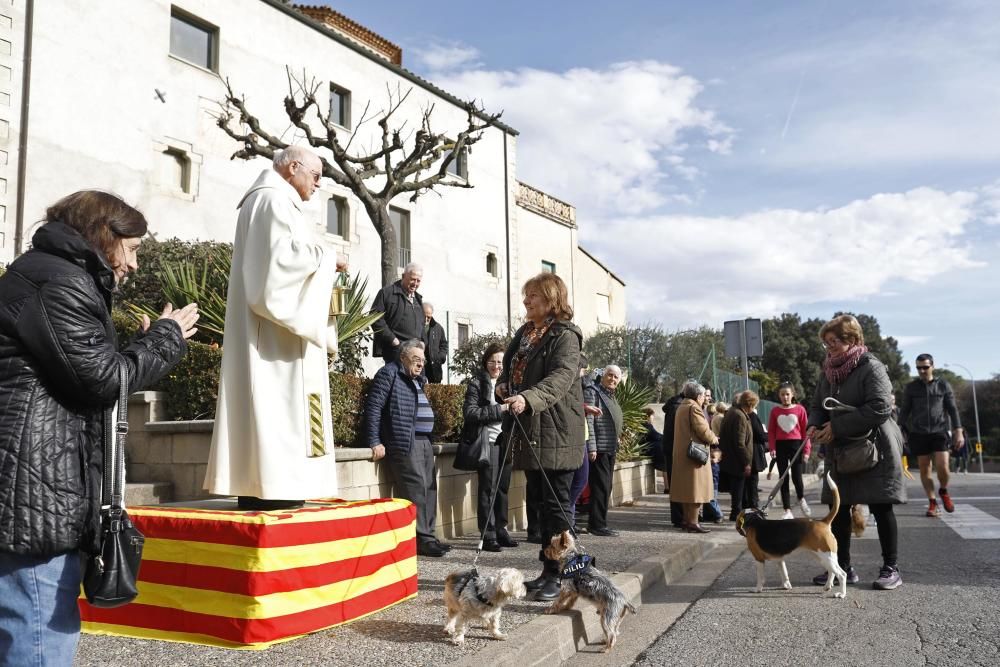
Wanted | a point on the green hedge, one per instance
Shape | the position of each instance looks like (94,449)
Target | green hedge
(192,388)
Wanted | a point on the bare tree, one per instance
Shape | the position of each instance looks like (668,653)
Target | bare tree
(394,167)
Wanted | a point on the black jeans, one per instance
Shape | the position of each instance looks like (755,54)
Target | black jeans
(602,471)
(552,508)
(888,536)
(493,518)
(786,450)
(737,485)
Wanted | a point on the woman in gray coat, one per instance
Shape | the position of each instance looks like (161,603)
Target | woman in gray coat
(859,384)
(541,383)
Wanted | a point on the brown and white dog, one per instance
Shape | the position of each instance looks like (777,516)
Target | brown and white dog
(773,540)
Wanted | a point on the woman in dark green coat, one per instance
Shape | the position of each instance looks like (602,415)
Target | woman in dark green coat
(541,382)
(860,387)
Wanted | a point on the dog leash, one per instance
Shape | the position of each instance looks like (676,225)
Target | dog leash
(496,487)
(531,446)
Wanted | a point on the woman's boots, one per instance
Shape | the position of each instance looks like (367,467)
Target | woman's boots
(546,586)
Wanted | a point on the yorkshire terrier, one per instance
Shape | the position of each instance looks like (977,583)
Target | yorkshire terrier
(470,596)
(581,579)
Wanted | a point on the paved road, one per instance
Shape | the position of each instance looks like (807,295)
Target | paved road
(946,613)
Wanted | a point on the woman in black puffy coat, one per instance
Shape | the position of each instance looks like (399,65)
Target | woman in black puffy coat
(59,363)
(482,411)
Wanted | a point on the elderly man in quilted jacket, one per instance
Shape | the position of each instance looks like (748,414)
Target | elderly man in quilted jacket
(399,421)
(607,430)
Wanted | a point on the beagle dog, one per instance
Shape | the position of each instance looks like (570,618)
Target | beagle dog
(773,540)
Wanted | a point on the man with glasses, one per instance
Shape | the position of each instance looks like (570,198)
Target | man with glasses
(399,421)
(928,406)
(273,440)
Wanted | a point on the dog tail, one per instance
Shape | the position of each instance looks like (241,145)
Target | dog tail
(828,519)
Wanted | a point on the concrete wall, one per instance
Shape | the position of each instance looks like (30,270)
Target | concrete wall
(596,283)
(177,453)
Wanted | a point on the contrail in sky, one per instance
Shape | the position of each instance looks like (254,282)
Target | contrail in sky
(791,109)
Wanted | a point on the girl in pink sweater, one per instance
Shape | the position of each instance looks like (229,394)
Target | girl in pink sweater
(786,428)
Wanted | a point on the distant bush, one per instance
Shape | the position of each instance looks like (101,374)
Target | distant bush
(192,387)
(466,359)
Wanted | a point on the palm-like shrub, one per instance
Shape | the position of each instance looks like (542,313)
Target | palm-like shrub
(632,397)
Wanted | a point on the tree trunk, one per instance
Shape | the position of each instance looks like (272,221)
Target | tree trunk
(379,214)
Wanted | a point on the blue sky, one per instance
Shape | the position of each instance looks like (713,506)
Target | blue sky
(738,159)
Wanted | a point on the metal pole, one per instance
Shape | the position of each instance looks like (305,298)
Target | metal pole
(746,361)
(975,411)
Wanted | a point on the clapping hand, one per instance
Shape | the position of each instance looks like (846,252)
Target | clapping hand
(185,317)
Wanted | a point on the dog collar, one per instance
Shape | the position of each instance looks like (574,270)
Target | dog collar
(577,565)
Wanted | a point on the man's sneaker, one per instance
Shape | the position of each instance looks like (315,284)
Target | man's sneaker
(852,577)
(946,501)
(933,509)
(804,506)
(788,515)
(888,578)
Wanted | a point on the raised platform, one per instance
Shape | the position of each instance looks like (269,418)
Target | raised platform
(214,575)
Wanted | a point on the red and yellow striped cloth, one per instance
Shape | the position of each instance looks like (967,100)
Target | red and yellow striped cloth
(251,579)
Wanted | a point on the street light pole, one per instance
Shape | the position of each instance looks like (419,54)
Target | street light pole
(975,411)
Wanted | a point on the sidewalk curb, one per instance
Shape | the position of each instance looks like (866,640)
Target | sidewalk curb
(553,639)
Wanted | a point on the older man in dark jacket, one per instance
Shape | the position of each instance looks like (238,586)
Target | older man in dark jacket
(399,422)
(607,430)
(435,346)
(403,314)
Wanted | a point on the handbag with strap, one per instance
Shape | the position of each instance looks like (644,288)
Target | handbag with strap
(476,454)
(110,576)
(857,454)
(698,452)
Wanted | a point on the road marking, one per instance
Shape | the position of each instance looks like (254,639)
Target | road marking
(971,523)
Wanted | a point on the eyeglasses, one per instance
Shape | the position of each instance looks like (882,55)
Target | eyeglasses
(494,363)
(922,368)
(315,174)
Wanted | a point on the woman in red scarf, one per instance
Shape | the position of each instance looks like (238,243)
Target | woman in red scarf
(850,409)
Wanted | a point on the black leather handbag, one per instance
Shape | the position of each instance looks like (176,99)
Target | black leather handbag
(476,454)
(110,576)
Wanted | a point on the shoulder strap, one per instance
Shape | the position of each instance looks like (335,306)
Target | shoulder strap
(115,432)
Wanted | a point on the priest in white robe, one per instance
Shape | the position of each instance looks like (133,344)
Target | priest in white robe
(273,440)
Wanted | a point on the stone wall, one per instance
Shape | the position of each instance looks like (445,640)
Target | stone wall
(177,452)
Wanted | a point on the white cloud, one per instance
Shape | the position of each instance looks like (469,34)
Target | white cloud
(687,270)
(441,58)
(616,139)
(991,203)
(907,341)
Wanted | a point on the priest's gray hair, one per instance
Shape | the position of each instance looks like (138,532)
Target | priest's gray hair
(692,389)
(407,345)
(286,156)
(413,267)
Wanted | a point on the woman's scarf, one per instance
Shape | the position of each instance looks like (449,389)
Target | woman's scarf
(837,367)
(531,337)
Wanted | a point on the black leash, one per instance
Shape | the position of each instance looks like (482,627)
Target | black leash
(531,445)
(502,461)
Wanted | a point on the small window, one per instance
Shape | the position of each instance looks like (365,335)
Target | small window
(193,40)
(175,170)
(460,165)
(401,225)
(548,267)
(340,106)
(336,217)
(463,334)
(491,264)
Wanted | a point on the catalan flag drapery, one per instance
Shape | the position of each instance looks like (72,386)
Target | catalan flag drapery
(250,579)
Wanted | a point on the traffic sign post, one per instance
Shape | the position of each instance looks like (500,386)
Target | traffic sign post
(744,339)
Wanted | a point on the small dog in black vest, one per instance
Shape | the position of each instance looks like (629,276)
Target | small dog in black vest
(470,596)
(581,579)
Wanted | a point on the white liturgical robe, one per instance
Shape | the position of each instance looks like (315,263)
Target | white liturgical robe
(273,434)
